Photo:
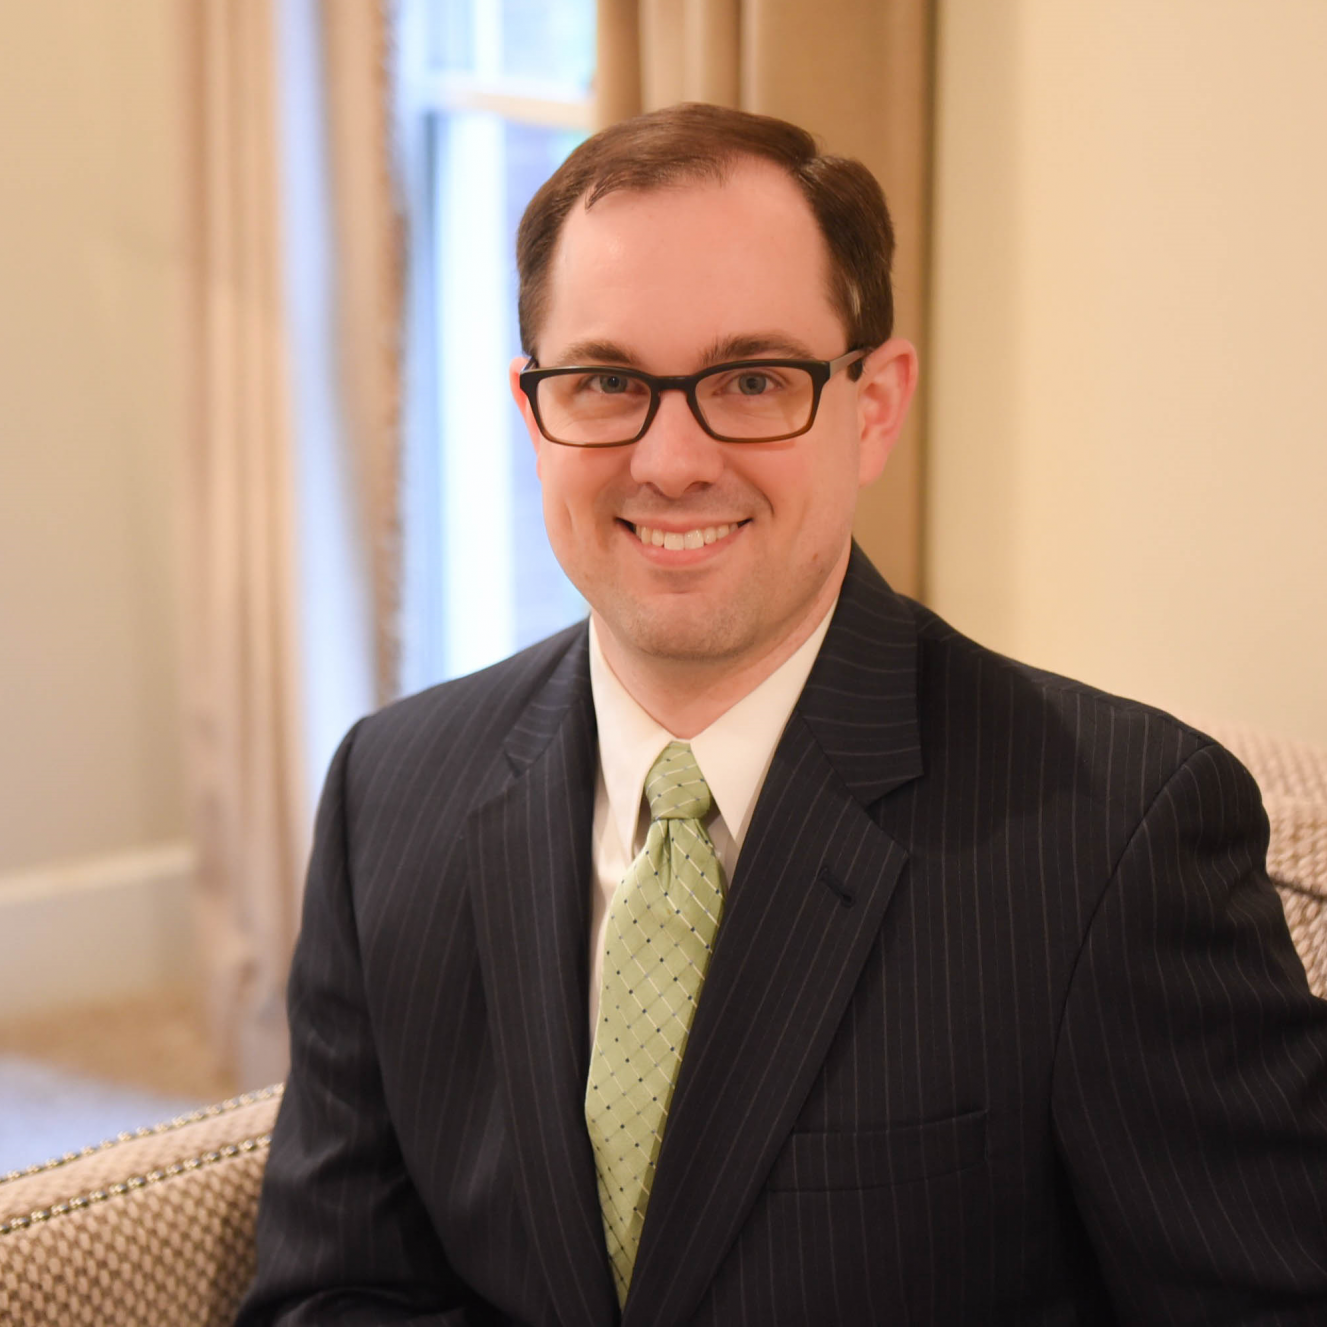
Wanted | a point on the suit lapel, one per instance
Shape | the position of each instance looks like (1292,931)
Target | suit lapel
(812,886)
(529,851)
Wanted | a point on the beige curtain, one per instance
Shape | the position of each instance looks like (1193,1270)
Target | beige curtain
(241,669)
(370,279)
(857,73)
(249,787)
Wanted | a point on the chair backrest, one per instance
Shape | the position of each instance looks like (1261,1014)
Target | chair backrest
(1293,779)
(152,1229)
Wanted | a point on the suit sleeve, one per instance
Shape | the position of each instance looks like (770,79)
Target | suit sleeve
(342,1234)
(1190,1093)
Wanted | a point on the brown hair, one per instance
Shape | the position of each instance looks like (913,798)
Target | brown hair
(696,141)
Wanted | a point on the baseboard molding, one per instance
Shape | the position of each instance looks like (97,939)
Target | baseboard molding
(100,927)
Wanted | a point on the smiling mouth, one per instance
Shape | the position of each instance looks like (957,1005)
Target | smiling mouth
(679,539)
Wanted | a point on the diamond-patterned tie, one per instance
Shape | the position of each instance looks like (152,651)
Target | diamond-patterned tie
(661,928)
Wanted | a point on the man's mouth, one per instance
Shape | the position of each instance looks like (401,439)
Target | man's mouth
(678,539)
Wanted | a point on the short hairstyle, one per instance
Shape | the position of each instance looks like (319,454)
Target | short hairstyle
(697,141)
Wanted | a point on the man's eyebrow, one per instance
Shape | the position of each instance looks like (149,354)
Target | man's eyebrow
(755,345)
(744,345)
(595,352)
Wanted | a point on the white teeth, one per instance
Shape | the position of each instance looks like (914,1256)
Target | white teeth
(675,539)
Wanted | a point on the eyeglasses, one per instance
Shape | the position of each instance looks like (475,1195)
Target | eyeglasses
(750,400)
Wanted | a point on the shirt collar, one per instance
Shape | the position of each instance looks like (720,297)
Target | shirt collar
(734,752)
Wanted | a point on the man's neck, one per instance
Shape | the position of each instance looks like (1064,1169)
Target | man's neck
(685,696)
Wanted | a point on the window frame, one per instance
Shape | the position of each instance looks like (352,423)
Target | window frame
(432,606)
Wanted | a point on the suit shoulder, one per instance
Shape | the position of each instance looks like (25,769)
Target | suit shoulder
(1041,713)
(467,718)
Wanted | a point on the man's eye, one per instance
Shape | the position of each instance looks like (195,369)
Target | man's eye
(746,382)
(608,384)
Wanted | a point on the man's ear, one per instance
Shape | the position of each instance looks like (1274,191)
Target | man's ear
(523,402)
(884,392)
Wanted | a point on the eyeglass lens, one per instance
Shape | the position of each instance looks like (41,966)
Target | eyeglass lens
(750,404)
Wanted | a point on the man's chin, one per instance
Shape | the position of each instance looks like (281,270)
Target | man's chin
(679,633)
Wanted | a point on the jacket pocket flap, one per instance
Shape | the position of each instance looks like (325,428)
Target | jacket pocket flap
(875,1158)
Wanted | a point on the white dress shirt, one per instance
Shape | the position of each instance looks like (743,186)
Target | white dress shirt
(733,753)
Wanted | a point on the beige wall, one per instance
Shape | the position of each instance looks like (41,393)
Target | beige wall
(90,392)
(1128,465)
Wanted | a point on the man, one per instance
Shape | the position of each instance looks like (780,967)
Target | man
(954,991)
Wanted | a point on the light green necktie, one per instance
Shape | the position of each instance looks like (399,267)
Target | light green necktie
(661,928)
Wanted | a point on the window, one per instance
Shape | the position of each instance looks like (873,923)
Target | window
(492,95)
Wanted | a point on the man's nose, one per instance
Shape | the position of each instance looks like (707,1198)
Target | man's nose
(676,453)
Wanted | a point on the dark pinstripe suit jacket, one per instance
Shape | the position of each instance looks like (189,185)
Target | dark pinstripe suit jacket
(1003,1024)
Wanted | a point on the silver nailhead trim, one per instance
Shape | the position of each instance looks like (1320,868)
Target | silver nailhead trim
(150,1131)
(134,1182)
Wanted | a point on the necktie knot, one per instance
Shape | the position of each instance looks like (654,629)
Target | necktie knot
(675,788)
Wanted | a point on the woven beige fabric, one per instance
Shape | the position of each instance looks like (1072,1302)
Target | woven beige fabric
(1293,780)
(153,1229)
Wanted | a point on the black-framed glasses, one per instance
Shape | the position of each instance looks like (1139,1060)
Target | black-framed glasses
(749,400)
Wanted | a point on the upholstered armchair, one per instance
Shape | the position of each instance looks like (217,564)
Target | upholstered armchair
(155,1229)
(1293,780)
(150,1229)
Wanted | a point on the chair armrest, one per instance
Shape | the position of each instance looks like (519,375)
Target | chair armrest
(152,1229)
(1293,779)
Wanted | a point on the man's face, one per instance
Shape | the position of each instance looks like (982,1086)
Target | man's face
(671,281)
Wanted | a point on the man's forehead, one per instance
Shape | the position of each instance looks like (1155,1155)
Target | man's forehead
(751,179)
(740,258)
